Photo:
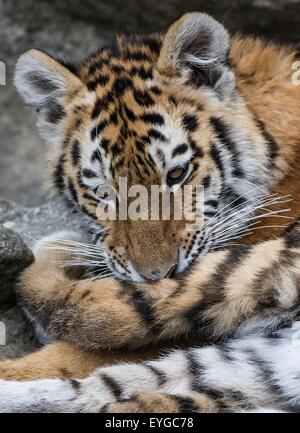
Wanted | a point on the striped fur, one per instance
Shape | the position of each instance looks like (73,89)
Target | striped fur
(239,375)
(247,300)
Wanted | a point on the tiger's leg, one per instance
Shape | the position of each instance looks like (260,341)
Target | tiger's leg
(56,360)
(66,360)
(245,373)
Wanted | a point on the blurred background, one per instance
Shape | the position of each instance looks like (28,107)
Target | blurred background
(73,28)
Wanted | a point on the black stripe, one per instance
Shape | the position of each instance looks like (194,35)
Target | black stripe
(96,155)
(72,190)
(98,63)
(55,113)
(145,309)
(272,144)
(90,197)
(76,385)
(186,404)
(190,122)
(75,152)
(129,113)
(87,212)
(225,352)
(161,377)
(143,98)
(156,90)
(101,80)
(213,292)
(102,104)
(86,293)
(180,149)
(198,153)
(154,118)
(216,156)
(223,133)
(266,373)
(118,69)
(115,150)
(212,203)
(112,385)
(98,236)
(232,197)
(292,234)
(105,144)
(137,56)
(120,86)
(141,72)
(206,181)
(195,368)
(59,173)
(87,172)
(153,44)
(210,213)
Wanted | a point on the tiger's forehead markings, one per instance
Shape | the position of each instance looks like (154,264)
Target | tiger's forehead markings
(132,54)
(132,118)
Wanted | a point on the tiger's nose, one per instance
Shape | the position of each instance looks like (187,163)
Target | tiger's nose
(158,274)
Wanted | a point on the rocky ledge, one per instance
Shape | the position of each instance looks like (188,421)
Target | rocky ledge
(19,227)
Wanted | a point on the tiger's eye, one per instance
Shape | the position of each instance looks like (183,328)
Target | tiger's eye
(176,175)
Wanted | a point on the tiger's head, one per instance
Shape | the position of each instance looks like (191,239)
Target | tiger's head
(158,110)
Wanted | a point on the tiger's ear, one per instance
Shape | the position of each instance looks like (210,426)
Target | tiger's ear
(47,85)
(196,46)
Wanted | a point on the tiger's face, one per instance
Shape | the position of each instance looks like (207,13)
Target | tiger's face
(157,110)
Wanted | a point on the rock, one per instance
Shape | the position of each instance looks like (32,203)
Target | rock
(19,227)
(36,222)
(23,25)
(14,257)
(271,18)
(18,334)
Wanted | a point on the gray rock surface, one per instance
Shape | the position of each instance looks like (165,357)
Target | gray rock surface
(20,226)
(19,335)
(32,24)
(271,18)
(36,222)
(14,257)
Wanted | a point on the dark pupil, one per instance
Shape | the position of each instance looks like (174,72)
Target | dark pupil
(175,175)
